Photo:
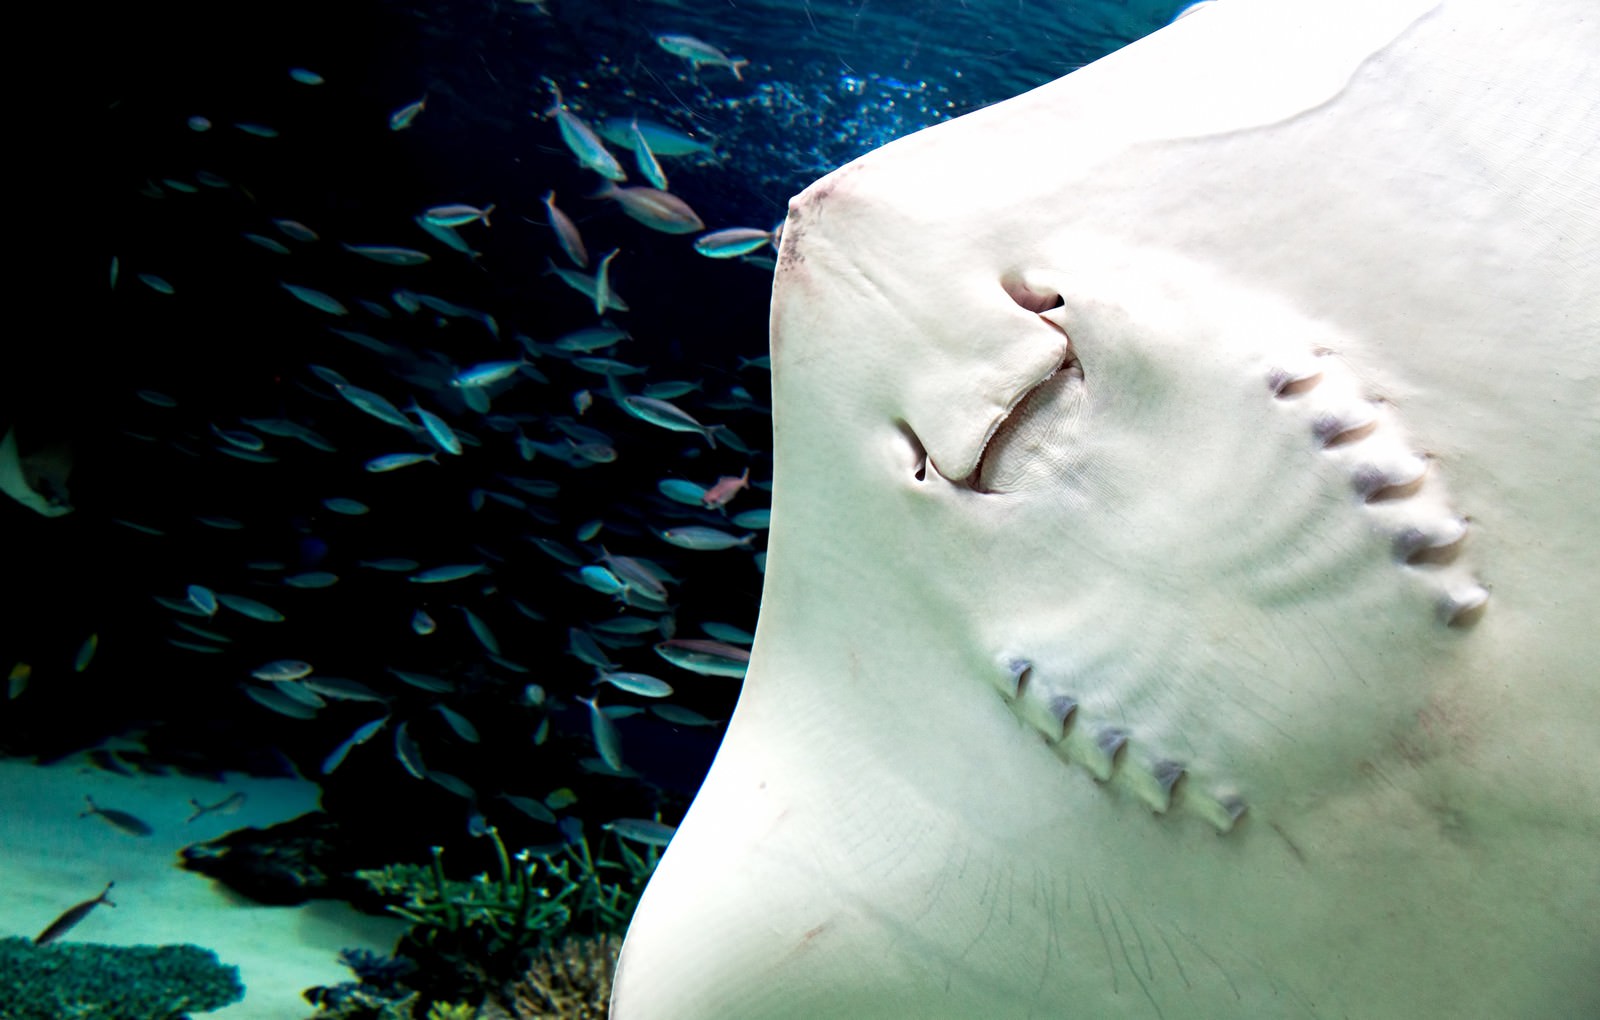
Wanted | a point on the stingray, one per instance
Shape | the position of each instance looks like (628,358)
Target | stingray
(1181,590)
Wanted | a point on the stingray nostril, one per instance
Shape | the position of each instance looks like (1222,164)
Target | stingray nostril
(918,452)
(1032,298)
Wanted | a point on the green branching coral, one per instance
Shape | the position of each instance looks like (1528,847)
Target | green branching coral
(471,937)
(82,980)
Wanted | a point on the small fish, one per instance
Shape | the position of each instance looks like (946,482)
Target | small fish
(704,539)
(316,299)
(271,244)
(251,608)
(312,579)
(297,231)
(458,723)
(530,807)
(710,658)
(116,268)
(668,416)
(566,233)
(457,215)
(68,920)
(452,572)
(392,564)
(663,140)
(753,520)
(485,374)
(259,130)
(585,649)
(644,159)
(656,209)
(305,77)
(728,632)
(423,681)
(732,242)
(198,124)
(374,404)
(203,599)
(282,670)
(121,819)
(447,235)
(422,623)
(348,507)
(642,830)
(680,716)
(226,806)
(157,284)
(582,401)
(642,684)
(638,574)
(481,630)
(626,625)
(410,755)
(454,784)
(606,738)
(592,338)
(602,282)
(396,461)
(727,487)
(438,430)
(239,438)
(601,580)
(80,662)
(180,186)
(700,53)
(680,490)
(341,689)
(389,255)
(401,119)
(583,141)
(586,285)
(362,734)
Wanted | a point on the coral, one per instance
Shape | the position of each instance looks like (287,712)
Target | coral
(72,980)
(569,981)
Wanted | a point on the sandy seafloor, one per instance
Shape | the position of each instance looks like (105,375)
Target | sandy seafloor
(51,859)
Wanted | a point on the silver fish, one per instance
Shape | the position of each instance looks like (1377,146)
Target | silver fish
(566,233)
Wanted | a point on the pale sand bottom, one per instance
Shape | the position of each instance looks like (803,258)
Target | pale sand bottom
(51,859)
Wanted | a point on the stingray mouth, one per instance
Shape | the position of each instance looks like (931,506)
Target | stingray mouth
(1012,432)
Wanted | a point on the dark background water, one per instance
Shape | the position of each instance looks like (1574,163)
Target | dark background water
(101,120)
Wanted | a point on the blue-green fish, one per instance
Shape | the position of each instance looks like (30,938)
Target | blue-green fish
(401,119)
(259,130)
(121,819)
(584,142)
(376,405)
(457,215)
(438,430)
(410,755)
(80,662)
(755,520)
(348,507)
(587,286)
(701,538)
(305,77)
(392,564)
(423,681)
(663,140)
(70,918)
(316,299)
(593,338)
(157,284)
(453,572)
(711,658)
(312,579)
(644,159)
(486,374)
(458,723)
(732,242)
(422,623)
(271,244)
(389,255)
(341,689)
(680,716)
(296,230)
(198,123)
(681,490)
(250,607)
(601,580)
(276,700)
(203,599)
(700,53)
(728,632)
(363,733)
(282,670)
(481,630)
(606,738)
(642,684)
(668,416)
(448,236)
(602,282)
(585,649)
(396,461)
(642,830)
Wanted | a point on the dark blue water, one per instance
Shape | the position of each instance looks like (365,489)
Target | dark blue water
(112,169)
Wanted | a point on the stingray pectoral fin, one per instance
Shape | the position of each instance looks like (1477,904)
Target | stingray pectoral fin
(1180,595)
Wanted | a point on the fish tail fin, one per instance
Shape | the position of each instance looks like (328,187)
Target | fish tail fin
(735,66)
(711,434)
(487,210)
